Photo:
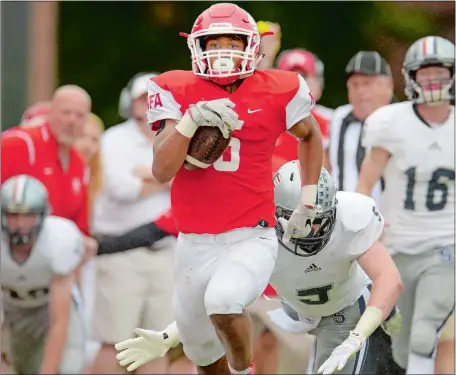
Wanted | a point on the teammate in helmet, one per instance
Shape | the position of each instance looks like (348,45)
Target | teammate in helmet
(312,69)
(322,282)
(225,90)
(412,146)
(39,254)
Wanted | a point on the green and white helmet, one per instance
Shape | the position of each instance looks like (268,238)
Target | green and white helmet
(425,52)
(23,194)
(287,196)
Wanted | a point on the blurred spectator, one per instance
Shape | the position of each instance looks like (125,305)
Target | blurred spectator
(133,289)
(36,114)
(88,146)
(370,87)
(46,152)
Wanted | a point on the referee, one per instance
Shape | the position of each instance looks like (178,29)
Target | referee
(370,86)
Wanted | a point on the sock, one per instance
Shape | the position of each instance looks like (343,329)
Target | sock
(243,372)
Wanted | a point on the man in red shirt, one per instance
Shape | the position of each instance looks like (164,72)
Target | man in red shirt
(225,214)
(46,153)
(36,114)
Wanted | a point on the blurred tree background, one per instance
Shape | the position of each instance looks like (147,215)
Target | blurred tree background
(102,44)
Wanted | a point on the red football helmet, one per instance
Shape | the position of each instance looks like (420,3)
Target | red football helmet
(302,60)
(224,19)
(36,114)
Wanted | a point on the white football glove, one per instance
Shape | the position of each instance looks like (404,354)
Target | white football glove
(299,225)
(217,113)
(148,346)
(345,351)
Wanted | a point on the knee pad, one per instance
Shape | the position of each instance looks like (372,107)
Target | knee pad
(423,338)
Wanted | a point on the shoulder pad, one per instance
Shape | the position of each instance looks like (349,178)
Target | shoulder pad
(354,210)
(174,79)
(67,245)
(383,129)
(277,82)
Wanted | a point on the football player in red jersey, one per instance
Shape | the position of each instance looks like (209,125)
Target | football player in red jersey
(312,69)
(225,213)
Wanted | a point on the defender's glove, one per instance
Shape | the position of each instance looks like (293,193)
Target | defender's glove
(217,113)
(301,220)
(345,351)
(392,326)
(148,346)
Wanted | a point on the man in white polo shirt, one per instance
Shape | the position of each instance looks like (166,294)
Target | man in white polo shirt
(133,289)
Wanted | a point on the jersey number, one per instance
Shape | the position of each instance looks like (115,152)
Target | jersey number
(229,162)
(316,296)
(434,185)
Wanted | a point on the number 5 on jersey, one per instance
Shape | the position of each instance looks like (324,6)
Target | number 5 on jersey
(230,160)
(315,296)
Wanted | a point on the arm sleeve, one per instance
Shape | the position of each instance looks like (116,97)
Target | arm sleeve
(381,130)
(300,105)
(17,154)
(142,236)
(161,104)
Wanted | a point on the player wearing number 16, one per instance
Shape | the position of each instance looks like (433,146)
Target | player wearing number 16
(412,145)
(225,212)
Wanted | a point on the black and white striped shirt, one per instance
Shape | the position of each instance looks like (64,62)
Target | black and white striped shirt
(346,152)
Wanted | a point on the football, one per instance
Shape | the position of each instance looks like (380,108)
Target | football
(206,146)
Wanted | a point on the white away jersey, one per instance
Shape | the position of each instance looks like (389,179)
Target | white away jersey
(58,250)
(418,201)
(331,280)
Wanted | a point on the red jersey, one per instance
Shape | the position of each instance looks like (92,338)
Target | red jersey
(237,191)
(286,148)
(270,292)
(34,152)
(167,223)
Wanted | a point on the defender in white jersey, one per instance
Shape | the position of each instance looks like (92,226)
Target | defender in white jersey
(38,255)
(412,146)
(321,282)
